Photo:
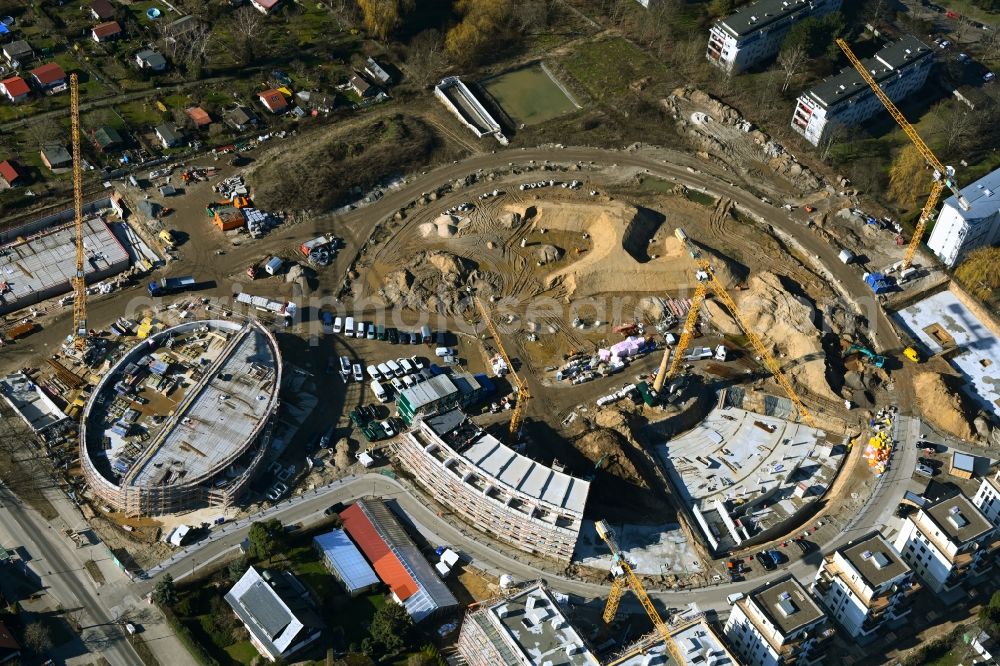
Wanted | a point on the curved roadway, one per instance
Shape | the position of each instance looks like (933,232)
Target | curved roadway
(357,227)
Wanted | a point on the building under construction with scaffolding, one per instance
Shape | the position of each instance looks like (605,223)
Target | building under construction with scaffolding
(183,420)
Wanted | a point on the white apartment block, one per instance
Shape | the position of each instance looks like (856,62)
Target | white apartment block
(947,543)
(900,69)
(987,499)
(754,32)
(777,623)
(508,496)
(957,232)
(865,586)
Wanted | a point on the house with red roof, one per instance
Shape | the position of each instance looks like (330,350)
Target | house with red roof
(198,116)
(396,560)
(10,175)
(106,32)
(15,89)
(102,10)
(265,6)
(273,101)
(48,76)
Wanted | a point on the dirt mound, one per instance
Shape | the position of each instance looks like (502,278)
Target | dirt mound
(446,262)
(606,449)
(722,133)
(785,323)
(942,404)
(444,226)
(432,281)
(621,258)
(546,254)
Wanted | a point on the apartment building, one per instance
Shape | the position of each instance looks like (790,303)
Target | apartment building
(947,542)
(508,496)
(754,32)
(957,232)
(777,623)
(695,644)
(900,69)
(865,585)
(522,629)
(987,499)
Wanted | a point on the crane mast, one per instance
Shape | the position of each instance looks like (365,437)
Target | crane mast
(942,174)
(79,279)
(522,389)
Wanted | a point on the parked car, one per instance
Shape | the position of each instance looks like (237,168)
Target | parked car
(777,557)
(397,384)
(373,372)
(765,561)
(944,44)
(987,77)
(404,338)
(388,429)
(925,470)
(418,362)
(359,375)
(345,366)
(393,335)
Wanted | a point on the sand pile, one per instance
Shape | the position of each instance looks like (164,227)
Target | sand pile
(621,258)
(785,324)
(444,226)
(608,447)
(434,281)
(942,404)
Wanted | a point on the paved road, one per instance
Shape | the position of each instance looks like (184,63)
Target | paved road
(53,559)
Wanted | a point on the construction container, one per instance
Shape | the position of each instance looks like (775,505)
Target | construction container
(21,330)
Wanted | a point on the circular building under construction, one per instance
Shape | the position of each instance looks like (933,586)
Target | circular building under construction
(182,421)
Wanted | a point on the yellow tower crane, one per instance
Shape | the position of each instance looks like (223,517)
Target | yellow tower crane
(522,389)
(687,336)
(79,279)
(942,174)
(626,578)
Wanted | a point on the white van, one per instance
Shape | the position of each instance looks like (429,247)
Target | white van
(359,330)
(396,370)
(338,324)
(443,351)
(379,391)
(348,327)
(734,597)
(373,372)
(384,369)
(406,365)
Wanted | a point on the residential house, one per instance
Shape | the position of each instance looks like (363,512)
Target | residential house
(754,32)
(273,101)
(108,139)
(375,71)
(11,175)
(151,60)
(362,87)
(265,6)
(845,100)
(48,76)
(106,32)
(777,623)
(56,157)
(102,10)
(947,542)
(987,499)
(865,585)
(15,89)
(239,118)
(199,116)
(277,612)
(167,136)
(958,231)
(17,53)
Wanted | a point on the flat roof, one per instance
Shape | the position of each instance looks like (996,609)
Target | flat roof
(430,391)
(350,565)
(531,626)
(786,604)
(958,518)
(697,643)
(220,414)
(28,400)
(977,341)
(883,65)
(874,559)
(48,259)
(510,468)
(758,15)
(963,461)
(983,196)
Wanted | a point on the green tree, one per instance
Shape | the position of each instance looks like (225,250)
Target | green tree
(237,568)
(267,539)
(164,593)
(391,627)
(816,35)
(720,8)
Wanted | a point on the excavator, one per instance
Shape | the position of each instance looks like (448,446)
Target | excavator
(877,360)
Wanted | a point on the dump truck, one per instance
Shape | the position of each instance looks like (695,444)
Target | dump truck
(170,285)
(912,354)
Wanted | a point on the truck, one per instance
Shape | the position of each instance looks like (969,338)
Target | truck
(170,285)
(21,330)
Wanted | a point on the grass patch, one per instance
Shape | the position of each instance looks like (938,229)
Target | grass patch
(141,649)
(605,69)
(94,571)
(244,652)
(700,198)
(653,185)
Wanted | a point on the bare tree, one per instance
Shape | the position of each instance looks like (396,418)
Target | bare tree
(791,60)
(247,24)
(425,55)
(37,637)
(834,132)
(533,15)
